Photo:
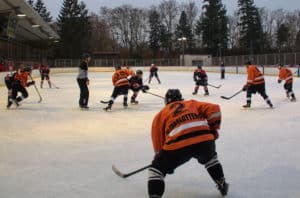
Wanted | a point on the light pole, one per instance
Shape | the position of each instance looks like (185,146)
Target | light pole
(182,40)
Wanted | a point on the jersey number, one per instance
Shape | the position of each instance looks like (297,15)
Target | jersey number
(178,108)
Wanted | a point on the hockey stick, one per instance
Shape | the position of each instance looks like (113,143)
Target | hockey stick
(125,175)
(37,91)
(217,87)
(155,95)
(228,98)
(104,102)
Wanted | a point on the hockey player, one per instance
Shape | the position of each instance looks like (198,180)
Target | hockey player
(255,83)
(9,79)
(287,75)
(44,72)
(19,84)
(200,78)
(83,81)
(121,86)
(222,70)
(180,131)
(136,84)
(153,72)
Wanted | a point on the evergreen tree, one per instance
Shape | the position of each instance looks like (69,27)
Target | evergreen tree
(282,35)
(212,26)
(30,2)
(41,9)
(183,29)
(297,44)
(73,28)
(251,31)
(155,32)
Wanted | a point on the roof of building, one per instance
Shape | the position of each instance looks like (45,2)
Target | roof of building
(30,27)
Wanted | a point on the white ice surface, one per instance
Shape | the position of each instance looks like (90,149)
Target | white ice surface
(54,150)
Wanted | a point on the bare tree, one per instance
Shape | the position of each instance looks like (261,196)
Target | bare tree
(233,30)
(128,25)
(99,35)
(191,10)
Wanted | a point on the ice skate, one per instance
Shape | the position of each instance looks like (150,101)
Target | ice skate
(246,106)
(222,187)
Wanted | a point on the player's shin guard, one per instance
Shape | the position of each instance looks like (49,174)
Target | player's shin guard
(215,170)
(196,90)
(206,91)
(248,104)
(133,97)
(158,80)
(125,101)
(156,184)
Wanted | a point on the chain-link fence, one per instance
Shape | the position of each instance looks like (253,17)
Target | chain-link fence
(262,59)
(113,62)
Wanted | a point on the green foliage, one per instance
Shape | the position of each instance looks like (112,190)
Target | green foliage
(213,26)
(297,44)
(73,28)
(155,32)
(183,29)
(282,35)
(30,2)
(41,9)
(251,31)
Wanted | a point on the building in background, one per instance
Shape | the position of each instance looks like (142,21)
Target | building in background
(24,35)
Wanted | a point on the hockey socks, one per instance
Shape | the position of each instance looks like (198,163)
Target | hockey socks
(156,184)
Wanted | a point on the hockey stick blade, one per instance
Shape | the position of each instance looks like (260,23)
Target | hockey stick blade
(117,172)
(224,97)
(104,102)
(217,87)
(122,175)
(228,98)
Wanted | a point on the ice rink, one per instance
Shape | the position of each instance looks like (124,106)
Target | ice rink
(55,150)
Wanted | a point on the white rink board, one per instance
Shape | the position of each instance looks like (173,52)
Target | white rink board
(54,150)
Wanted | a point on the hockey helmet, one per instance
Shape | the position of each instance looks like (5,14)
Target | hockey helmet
(173,95)
(117,67)
(199,66)
(85,56)
(139,72)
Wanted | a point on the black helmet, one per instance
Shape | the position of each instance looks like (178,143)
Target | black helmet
(85,56)
(199,66)
(173,95)
(139,72)
(117,67)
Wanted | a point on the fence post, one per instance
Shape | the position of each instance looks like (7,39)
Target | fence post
(237,69)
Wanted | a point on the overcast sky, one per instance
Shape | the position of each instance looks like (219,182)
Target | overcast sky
(94,5)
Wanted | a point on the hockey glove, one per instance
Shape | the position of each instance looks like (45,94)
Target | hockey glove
(245,88)
(30,83)
(279,81)
(145,88)
(215,134)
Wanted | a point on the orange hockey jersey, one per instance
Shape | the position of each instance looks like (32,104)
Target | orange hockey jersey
(119,78)
(22,77)
(286,74)
(255,77)
(184,123)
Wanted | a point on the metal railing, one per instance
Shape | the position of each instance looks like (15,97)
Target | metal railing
(261,59)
